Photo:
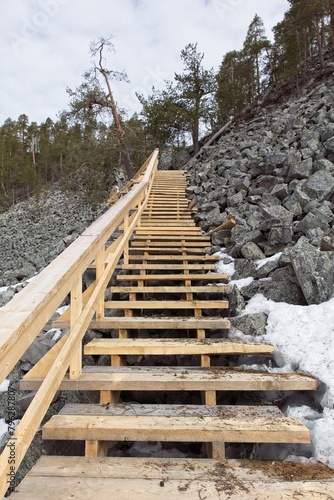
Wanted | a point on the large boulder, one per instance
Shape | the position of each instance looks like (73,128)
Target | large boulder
(314,270)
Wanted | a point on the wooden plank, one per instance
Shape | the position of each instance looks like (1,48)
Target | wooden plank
(171,410)
(164,323)
(169,244)
(169,267)
(182,429)
(199,258)
(173,277)
(167,304)
(153,237)
(172,289)
(168,232)
(125,378)
(66,477)
(172,347)
(183,251)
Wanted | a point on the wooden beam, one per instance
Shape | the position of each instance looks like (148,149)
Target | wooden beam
(161,347)
(164,323)
(179,379)
(189,429)
(167,304)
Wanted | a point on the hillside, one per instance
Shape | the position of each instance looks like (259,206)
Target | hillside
(274,173)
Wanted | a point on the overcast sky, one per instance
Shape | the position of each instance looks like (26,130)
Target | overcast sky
(44,44)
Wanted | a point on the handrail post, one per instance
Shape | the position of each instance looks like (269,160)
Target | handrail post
(76,309)
(126,249)
(100,267)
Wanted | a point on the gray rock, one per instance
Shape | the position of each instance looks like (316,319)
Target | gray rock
(327,242)
(266,269)
(315,236)
(242,237)
(280,191)
(281,235)
(251,324)
(244,268)
(311,221)
(314,270)
(301,170)
(252,251)
(37,350)
(235,200)
(280,287)
(320,185)
(329,145)
(326,132)
(275,216)
(236,301)
(293,205)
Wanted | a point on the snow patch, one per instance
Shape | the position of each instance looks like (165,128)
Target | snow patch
(4,385)
(262,262)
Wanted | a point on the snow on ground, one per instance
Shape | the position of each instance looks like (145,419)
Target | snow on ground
(4,386)
(3,428)
(303,338)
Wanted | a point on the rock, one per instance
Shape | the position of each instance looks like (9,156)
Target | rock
(314,270)
(327,242)
(329,145)
(240,236)
(311,221)
(251,324)
(266,269)
(37,350)
(280,191)
(235,200)
(280,235)
(301,170)
(236,301)
(280,287)
(244,269)
(320,185)
(252,251)
(275,215)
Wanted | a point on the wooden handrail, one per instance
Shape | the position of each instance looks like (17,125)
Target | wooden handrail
(25,315)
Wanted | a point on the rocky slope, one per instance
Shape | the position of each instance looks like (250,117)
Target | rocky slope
(275,174)
(34,232)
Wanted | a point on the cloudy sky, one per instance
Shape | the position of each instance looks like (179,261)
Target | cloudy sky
(44,44)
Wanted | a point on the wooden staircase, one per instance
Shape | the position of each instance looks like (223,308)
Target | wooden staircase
(167,301)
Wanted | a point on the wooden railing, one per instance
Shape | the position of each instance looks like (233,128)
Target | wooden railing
(27,313)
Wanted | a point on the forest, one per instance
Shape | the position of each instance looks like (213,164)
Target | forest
(94,145)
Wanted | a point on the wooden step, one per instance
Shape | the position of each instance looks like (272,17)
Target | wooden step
(172,410)
(168,267)
(79,478)
(224,289)
(169,237)
(173,277)
(173,347)
(175,258)
(227,429)
(151,378)
(166,304)
(183,250)
(168,232)
(168,244)
(152,323)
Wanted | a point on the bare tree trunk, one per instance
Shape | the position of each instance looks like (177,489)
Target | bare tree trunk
(125,159)
(320,54)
